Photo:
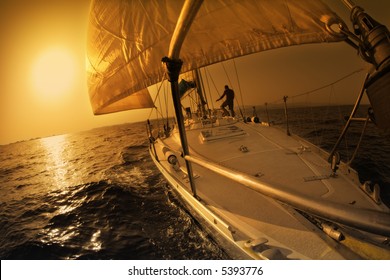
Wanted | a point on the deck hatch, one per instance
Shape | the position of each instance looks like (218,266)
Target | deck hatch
(220,133)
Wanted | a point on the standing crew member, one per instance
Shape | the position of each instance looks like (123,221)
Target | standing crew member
(229,93)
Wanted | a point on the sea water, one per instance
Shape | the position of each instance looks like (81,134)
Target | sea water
(97,194)
(93,195)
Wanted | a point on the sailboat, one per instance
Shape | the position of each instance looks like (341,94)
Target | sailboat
(262,193)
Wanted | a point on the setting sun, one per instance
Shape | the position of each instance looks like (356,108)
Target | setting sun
(53,73)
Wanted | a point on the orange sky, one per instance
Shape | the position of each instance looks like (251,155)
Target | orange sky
(43,81)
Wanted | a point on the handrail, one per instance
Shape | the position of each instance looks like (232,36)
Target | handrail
(350,119)
(367,220)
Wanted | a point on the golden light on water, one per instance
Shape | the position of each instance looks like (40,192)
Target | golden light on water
(55,148)
(95,243)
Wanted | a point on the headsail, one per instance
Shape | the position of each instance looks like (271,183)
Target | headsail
(128,38)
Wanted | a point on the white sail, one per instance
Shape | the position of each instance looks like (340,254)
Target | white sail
(128,39)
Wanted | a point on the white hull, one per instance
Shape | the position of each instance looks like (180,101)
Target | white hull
(252,224)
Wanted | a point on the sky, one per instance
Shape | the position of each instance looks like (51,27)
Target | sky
(43,88)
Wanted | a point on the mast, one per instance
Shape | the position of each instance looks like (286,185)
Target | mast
(199,90)
(173,65)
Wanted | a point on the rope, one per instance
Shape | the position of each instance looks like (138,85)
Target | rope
(239,86)
(158,95)
(236,99)
(208,89)
(321,87)
(166,101)
(215,87)
(360,141)
(227,76)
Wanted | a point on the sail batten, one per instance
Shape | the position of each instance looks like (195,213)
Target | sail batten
(128,39)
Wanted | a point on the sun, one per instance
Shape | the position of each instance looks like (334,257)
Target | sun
(53,72)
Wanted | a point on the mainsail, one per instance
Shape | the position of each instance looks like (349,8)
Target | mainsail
(128,38)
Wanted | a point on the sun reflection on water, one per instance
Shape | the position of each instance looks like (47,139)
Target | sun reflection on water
(56,163)
(95,244)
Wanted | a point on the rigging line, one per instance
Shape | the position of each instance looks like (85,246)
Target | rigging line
(314,124)
(158,111)
(205,94)
(227,75)
(161,84)
(158,93)
(235,99)
(150,114)
(151,111)
(331,84)
(360,141)
(239,86)
(201,85)
(346,135)
(166,102)
(215,86)
(327,114)
(208,88)
(190,97)
(157,116)
(322,87)
(318,130)
(159,102)
(158,119)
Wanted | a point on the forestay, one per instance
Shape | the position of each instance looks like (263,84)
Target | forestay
(128,38)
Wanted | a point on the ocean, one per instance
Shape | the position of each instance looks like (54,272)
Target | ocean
(97,194)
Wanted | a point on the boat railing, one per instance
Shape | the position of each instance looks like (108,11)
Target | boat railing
(349,121)
(366,220)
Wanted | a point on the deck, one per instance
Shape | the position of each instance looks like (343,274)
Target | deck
(269,155)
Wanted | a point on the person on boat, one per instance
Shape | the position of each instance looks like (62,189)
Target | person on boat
(229,93)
